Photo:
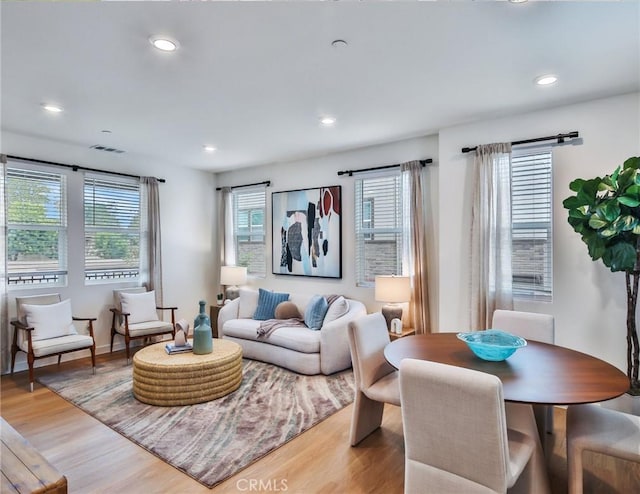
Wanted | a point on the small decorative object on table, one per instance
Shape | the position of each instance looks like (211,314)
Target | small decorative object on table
(492,344)
(172,348)
(182,332)
(202,334)
(220,298)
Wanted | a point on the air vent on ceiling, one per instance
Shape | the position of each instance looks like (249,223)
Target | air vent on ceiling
(106,149)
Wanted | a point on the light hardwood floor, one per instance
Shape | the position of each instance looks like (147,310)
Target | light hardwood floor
(96,459)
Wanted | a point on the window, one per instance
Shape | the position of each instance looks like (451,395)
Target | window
(36,227)
(532,248)
(249,229)
(111,229)
(379,233)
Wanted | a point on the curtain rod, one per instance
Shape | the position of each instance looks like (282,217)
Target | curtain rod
(266,183)
(362,170)
(559,137)
(75,168)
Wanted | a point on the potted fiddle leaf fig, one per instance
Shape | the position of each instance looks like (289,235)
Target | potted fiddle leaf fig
(605,211)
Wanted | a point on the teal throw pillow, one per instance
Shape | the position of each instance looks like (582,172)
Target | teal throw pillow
(315,312)
(267,303)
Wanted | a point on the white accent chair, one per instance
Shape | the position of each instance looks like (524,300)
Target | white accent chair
(601,430)
(44,327)
(535,327)
(135,316)
(375,379)
(456,436)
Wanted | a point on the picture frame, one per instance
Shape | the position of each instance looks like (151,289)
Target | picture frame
(307,232)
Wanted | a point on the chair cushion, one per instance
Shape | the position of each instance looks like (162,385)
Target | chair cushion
(146,328)
(337,309)
(140,306)
(386,389)
(267,303)
(52,346)
(315,312)
(287,310)
(50,321)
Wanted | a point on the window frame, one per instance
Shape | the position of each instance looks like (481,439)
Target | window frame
(379,230)
(126,271)
(39,277)
(254,235)
(537,285)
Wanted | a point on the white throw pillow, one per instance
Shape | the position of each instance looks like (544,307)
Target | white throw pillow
(338,308)
(248,303)
(50,321)
(140,306)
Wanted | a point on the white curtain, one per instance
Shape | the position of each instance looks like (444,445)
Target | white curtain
(151,245)
(4,309)
(491,278)
(415,241)
(225,220)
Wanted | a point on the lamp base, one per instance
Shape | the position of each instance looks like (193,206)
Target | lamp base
(232,292)
(391,312)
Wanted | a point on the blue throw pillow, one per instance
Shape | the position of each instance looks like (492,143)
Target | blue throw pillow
(267,303)
(315,312)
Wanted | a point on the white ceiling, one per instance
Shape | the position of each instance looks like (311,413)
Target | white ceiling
(254,78)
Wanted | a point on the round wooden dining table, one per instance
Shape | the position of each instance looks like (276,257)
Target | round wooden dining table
(539,373)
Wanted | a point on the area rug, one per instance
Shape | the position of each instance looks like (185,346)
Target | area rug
(210,441)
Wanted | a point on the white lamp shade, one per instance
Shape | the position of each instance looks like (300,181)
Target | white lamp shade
(233,275)
(393,289)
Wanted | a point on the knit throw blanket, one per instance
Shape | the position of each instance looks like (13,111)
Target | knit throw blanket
(267,327)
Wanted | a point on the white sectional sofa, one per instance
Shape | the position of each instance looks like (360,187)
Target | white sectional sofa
(300,349)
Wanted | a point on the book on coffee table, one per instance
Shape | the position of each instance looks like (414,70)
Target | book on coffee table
(172,348)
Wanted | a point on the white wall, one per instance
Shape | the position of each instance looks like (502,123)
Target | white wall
(187,222)
(589,301)
(321,172)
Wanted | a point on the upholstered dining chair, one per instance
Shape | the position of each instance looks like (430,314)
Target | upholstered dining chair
(600,430)
(375,379)
(45,327)
(135,316)
(536,327)
(456,436)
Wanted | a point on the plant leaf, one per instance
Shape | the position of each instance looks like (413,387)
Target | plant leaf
(596,223)
(633,162)
(620,257)
(629,201)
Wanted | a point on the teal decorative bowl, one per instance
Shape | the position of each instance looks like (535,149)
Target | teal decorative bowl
(492,344)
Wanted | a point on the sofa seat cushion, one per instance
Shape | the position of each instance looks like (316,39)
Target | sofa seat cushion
(301,340)
(57,345)
(145,328)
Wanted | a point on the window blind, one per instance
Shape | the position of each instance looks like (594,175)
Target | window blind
(249,228)
(531,216)
(379,224)
(36,217)
(112,229)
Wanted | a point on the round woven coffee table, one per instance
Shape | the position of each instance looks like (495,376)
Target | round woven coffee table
(186,378)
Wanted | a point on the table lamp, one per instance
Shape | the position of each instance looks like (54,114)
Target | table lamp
(231,277)
(393,290)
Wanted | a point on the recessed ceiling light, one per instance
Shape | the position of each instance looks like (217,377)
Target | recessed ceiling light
(327,121)
(517,1)
(546,80)
(52,108)
(339,43)
(209,149)
(163,44)
(106,131)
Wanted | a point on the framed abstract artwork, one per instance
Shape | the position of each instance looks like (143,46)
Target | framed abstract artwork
(307,232)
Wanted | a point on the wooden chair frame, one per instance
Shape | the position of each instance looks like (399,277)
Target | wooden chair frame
(31,358)
(125,323)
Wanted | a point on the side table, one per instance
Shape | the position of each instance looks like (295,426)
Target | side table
(213,315)
(405,332)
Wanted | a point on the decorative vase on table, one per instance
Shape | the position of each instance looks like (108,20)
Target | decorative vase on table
(202,334)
